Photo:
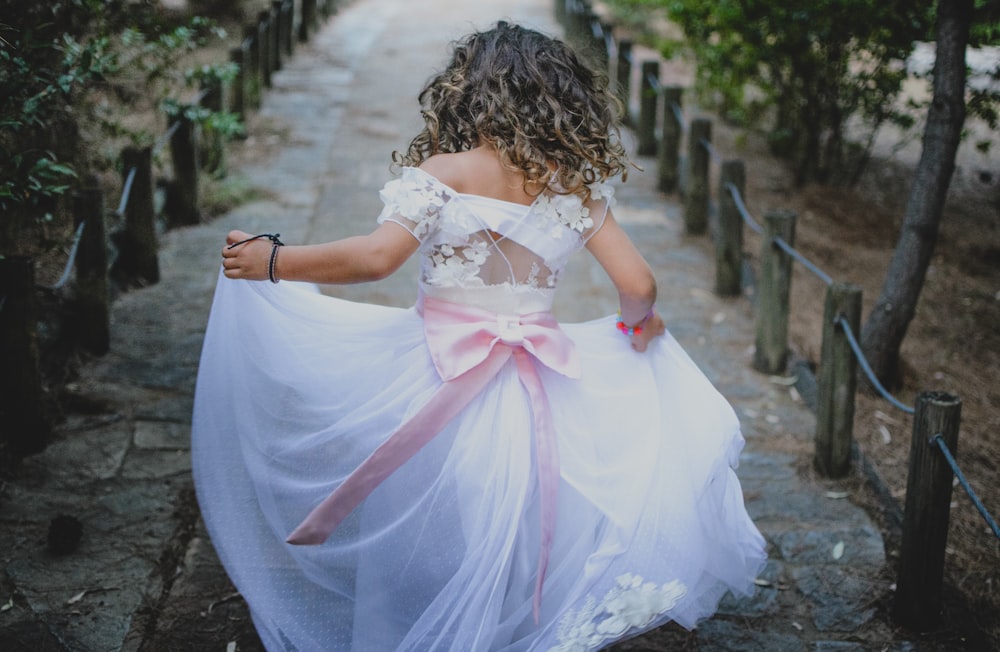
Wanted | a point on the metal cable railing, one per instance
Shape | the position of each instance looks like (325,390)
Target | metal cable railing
(70,262)
(859,354)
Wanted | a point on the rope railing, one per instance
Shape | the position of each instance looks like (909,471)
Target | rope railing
(747,218)
(679,116)
(712,152)
(70,262)
(808,264)
(866,367)
(938,440)
(126,191)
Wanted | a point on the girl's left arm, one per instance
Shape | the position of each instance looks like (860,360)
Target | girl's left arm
(351,260)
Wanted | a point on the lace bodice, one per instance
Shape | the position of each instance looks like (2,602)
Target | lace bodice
(488,252)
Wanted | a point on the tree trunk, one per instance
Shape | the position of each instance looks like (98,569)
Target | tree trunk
(885,329)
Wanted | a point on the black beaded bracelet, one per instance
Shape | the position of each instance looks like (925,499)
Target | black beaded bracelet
(270,263)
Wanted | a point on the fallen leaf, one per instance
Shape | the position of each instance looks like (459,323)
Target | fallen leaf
(886,435)
(761,582)
(231,646)
(796,626)
(838,550)
(76,598)
(837,495)
(718,318)
(8,605)
(772,418)
(794,394)
(784,380)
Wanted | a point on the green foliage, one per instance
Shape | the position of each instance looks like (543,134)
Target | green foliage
(810,66)
(60,65)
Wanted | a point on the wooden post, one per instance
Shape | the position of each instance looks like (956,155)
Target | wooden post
(274,47)
(252,72)
(837,382)
(560,12)
(288,27)
(774,289)
(729,239)
(182,208)
(212,152)
(238,87)
(696,193)
(264,47)
(92,315)
(646,128)
(23,425)
(137,263)
(307,22)
(623,79)
(925,519)
(670,139)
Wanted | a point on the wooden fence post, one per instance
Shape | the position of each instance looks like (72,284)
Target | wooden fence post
(837,382)
(274,47)
(623,79)
(774,289)
(252,74)
(182,209)
(136,262)
(925,519)
(670,139)
(238,87)
(729,238)
(696,192)
(264,47)
(288,27)
(211,147)
(307,20)
(646,127)
(23,425)
(91,310)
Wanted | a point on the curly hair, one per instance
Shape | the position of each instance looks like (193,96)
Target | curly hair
(531,97)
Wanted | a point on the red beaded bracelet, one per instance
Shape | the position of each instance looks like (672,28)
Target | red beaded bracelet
(632,330)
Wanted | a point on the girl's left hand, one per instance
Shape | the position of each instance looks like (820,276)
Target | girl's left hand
(651,328)
(247,261)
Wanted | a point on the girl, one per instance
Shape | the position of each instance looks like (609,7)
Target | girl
(468,474)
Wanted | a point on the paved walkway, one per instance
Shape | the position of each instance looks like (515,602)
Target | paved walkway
(145,577)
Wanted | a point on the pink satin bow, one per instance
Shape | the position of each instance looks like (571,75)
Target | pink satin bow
(469,346)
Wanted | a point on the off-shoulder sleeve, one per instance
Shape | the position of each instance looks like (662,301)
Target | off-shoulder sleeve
(602,199)
(414,201)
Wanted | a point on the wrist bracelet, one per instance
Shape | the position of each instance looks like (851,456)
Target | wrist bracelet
(275,243)
(632,330)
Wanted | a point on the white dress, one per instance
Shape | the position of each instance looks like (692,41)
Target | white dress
(643,520)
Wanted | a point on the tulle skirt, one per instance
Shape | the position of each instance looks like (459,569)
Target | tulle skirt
(296,389)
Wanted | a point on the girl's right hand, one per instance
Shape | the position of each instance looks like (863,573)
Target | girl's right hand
(651,328)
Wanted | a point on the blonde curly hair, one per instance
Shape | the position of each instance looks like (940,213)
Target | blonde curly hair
(531,97)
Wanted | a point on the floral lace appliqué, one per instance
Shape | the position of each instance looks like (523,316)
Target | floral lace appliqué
(457,267)
(563,212)
(416,202)
(632,603)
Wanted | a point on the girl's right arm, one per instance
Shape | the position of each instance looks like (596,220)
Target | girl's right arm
(631,276)
(351,260)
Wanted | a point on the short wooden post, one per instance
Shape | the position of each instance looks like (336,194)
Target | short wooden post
(560,11)
(623,79)
(670,139)
(92,321)
(252,75)
(23,425)
(646,127)
(182,208)
(264,47)
(287,27)
(925,518)
(837,382)
(696,192)
(212,152)
(603,43)
(729,238)
(771,351)
(238,87)
(137,262)
(307,22)
(274,47)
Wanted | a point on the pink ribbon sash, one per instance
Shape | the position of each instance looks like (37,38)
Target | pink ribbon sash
(469,347)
